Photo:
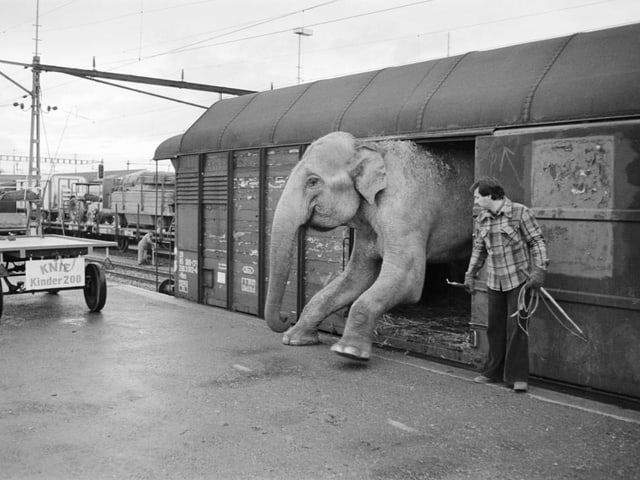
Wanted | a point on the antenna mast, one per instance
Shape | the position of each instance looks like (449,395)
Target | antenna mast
(34,138)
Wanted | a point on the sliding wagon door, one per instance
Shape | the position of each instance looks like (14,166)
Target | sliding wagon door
(326,255)
(245,237)
(214,236)
(279,163)
(187,226)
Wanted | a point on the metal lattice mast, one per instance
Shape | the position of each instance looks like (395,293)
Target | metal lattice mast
(34,137)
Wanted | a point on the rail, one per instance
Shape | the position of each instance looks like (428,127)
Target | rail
(149,277)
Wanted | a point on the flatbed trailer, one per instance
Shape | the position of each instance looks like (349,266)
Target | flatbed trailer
(50,263)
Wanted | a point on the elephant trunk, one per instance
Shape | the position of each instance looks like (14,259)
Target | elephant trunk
(288,218)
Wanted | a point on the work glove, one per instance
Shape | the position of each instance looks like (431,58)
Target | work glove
(469,283)
(536,279)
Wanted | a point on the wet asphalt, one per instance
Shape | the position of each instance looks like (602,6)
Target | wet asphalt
(155,387)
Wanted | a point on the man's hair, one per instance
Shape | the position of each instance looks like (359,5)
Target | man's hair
(488,186)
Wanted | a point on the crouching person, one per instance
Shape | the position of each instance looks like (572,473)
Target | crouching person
(145,249)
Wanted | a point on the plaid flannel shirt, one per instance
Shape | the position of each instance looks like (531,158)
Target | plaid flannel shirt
(509,241)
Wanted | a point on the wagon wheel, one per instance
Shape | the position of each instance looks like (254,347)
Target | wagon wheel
(95,287)
(166,287)
(123,244)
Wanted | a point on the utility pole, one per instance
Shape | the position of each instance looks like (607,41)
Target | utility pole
(301,32)
(34,137)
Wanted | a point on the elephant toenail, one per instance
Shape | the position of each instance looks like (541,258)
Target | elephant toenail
(353,351)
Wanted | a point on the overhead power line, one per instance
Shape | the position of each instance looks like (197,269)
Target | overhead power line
(42,14)
(287,30)
(223,32)
(164,97)
(252,25)
(192,47)
(118,17)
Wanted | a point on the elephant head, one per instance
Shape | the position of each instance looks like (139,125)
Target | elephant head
(324,191)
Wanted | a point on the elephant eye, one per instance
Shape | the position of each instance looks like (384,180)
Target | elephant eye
(313,182)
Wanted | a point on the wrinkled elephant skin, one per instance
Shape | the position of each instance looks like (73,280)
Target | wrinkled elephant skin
(409,208)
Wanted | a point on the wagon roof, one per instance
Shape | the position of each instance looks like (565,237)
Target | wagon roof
(584,76)
(148,177)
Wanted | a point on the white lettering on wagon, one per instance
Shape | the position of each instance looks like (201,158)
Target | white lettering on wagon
(248,285)
(186,267)
(55,273)
(248,270)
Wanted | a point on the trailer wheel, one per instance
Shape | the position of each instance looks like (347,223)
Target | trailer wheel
(123,244)
(95,287)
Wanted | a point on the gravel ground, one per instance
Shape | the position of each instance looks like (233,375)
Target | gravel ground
(155,387)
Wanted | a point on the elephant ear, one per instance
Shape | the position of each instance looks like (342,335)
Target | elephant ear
(369,173)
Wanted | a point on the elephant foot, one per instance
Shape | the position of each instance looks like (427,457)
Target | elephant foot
(361,354)
(298,337)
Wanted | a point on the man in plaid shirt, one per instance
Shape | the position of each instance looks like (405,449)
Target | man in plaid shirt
(508,237)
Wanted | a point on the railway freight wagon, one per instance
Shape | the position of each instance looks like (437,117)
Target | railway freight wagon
(558,121)
(122,205)
(139,202)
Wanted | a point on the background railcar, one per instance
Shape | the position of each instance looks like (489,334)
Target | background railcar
(557,120)
(13,214)
(123,205)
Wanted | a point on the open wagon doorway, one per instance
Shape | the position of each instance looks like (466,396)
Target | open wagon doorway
(438,325)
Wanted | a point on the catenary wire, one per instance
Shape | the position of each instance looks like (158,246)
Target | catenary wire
(233,29)
(463,27)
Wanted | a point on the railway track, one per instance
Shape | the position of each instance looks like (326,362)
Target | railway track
(124,269)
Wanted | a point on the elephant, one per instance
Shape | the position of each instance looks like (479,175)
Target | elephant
(408,208)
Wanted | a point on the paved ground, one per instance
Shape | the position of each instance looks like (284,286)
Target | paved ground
(158,388)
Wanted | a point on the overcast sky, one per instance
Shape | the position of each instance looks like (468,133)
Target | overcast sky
(246,44)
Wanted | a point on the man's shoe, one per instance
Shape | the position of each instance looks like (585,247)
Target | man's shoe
(520,386)
(483,379)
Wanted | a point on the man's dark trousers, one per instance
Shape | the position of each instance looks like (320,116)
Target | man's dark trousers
(508,358)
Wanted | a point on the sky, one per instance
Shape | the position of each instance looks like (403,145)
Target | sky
(246,44)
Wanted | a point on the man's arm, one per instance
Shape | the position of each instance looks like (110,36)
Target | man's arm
(478,256)
(532,234)
(479,252)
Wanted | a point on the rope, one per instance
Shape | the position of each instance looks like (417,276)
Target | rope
(576,331)
(526,309)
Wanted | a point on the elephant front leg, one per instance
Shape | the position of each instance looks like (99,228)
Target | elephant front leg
(397,283)
(342,291)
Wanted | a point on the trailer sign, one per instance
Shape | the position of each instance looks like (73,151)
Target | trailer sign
(54,273)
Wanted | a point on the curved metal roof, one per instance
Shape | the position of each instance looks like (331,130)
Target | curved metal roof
(168,148)
(578,77)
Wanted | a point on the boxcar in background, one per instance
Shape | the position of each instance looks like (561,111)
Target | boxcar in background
(558,121)
(120,205)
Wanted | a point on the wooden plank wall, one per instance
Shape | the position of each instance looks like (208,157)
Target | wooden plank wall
(246,232)
(214,232)
(187,198)
(233,267)
(326,254)
(279,162)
